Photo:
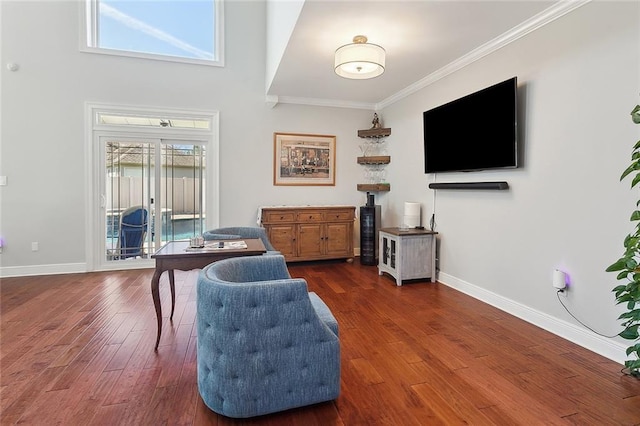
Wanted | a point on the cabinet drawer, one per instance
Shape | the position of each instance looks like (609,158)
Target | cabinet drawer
(310,216)
(278,216)
(339,215)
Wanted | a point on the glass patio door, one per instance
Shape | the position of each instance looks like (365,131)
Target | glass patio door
(153,191)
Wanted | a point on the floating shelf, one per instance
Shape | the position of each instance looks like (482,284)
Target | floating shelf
(374,133)
(374,187)
(375,159)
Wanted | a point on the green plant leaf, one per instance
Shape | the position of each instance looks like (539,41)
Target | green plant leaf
(631,263)
(622,275)
(635,180)
(629,333)
(633,167)
(635,348)
(634,315)
(635,115)
(620,288)
(635,215)
(618,266)
(626,240)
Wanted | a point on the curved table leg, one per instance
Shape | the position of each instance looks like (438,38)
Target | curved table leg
(172,285)
(155,293)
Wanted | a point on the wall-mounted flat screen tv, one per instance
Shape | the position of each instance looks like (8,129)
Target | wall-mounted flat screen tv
(476,132)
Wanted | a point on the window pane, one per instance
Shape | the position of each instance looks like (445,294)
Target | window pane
(171,28)
(183,190)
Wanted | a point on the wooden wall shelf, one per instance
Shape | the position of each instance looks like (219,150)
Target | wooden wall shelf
(375,159)
(374,133)
(374,187)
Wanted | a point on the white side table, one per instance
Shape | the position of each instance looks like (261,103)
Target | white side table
(407,254)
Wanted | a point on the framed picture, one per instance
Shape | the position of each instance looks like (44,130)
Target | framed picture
(301,159)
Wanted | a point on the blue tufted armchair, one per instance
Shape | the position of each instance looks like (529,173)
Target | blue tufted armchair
(235,232)
(265,344)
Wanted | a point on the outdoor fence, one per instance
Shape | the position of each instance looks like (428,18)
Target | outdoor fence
(179,195)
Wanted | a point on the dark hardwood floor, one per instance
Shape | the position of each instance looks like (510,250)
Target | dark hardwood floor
(78,349)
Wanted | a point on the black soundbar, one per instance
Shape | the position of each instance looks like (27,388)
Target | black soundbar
(469,185)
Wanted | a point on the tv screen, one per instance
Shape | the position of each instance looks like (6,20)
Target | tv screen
(476,132)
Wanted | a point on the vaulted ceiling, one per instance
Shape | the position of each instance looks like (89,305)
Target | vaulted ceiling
(424,40)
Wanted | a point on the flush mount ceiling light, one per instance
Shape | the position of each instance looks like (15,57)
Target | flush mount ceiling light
(359,60)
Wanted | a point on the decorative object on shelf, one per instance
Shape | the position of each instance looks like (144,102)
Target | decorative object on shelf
(628,269)
(302,159)
(376,121)
(359,60)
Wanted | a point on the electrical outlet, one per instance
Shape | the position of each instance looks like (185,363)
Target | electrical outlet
(34,246)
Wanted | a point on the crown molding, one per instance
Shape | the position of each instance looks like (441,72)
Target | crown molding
(272,101)
(543,18)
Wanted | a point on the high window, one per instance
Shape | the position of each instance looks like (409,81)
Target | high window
(176,30)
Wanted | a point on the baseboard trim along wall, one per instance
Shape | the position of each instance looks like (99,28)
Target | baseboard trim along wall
(601,345)
(33,270)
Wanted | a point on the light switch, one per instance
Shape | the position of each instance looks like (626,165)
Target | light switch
(3,181)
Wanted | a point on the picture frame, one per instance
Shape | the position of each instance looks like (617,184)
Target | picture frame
(304,159)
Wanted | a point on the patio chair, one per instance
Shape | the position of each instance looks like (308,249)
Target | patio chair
(131,234)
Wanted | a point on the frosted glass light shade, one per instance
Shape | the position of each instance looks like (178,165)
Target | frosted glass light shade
(359,60)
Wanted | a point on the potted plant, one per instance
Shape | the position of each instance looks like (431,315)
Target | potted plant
(628,269)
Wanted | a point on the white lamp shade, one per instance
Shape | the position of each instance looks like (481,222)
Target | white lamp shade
(359,61)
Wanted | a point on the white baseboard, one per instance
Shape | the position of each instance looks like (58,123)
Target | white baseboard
(31,270)
(601,345)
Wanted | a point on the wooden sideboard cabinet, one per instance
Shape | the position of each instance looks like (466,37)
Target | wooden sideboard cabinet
(310,232)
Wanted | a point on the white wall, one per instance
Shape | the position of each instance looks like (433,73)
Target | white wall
(579,78)
(43,132)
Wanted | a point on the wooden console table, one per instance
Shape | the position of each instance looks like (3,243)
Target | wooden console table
(407,254)
(174,255)
(310,232)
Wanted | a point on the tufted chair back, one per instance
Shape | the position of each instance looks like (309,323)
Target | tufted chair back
(265,344)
